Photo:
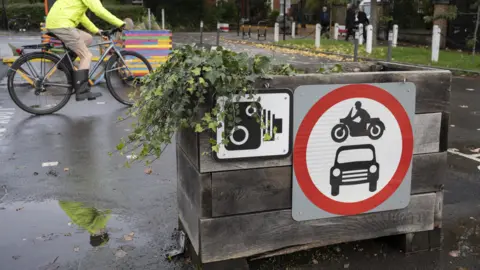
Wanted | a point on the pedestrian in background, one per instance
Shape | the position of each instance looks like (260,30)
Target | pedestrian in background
(325,19)
(363,19)
(350,21)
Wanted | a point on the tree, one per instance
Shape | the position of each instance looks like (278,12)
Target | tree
(374,20)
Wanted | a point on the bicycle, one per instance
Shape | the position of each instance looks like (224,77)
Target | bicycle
(118,63)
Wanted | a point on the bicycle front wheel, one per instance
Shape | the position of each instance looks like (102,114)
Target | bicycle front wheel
(37,86)
(123,76)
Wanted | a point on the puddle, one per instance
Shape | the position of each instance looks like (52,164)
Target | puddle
(467,238)
(35,234)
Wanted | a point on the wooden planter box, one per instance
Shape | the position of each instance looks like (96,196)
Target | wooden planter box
(241,209)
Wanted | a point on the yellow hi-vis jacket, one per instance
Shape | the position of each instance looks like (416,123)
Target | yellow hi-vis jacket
(71,13)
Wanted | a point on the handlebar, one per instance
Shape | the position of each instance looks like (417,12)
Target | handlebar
(111,32)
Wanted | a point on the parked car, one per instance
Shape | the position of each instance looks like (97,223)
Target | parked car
(354,165)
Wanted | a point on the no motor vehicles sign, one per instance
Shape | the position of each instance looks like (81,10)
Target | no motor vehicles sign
(353,149)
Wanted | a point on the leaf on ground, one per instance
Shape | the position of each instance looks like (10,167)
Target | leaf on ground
(454,253)
(129,237)
(66,169)
(148,171)
(120,253)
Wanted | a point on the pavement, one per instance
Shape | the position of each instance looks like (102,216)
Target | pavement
(54,165)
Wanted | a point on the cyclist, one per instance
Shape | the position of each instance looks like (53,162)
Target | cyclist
(62,21)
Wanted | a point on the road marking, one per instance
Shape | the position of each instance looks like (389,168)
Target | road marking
(470,89)
(474,157)
(101,103)
(6,114)
(50,164)
(463,106)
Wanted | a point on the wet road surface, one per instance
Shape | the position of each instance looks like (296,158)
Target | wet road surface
(60,192)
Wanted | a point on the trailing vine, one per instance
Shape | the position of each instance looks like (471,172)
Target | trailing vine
(175,96)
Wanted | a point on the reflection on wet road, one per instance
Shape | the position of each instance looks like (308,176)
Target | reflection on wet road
(61,193)
(59,232)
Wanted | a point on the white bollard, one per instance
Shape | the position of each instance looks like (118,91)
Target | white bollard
(369,39)
(318,33)
(436,43)
(149,20)
(335,31)
(276,33)
(163,18)
(293,29)
(395,35)
(360,33)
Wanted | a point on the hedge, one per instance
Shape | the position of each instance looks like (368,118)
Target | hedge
(37,13)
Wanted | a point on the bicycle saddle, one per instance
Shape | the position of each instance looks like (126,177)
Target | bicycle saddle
(50,34)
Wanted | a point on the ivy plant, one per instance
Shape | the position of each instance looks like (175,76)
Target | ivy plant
(176,94)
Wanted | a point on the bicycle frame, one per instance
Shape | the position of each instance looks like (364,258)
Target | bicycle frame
(111,47)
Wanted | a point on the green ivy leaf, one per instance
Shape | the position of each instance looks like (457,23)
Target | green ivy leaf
(216,148)
(212,126)
(198,128)
(121,145)
(196,71)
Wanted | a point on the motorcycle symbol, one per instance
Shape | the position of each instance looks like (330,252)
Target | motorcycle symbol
(371,127)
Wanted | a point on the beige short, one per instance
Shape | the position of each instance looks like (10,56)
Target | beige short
(75,39)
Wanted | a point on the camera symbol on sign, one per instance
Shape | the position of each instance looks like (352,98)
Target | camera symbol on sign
(248,134)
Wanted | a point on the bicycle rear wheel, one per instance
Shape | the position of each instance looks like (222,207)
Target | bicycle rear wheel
(122,82)
(34,80)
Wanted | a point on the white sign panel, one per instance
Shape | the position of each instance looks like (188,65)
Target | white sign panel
(252,139)
(353,149)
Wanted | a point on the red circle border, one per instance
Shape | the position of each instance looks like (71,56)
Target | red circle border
(308,123)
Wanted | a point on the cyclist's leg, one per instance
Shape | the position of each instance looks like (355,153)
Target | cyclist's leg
(87,40)
(74,40)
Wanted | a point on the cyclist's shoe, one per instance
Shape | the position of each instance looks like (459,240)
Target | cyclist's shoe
(82,87)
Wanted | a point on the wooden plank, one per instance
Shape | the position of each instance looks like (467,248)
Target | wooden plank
(429,172)
(188,141)
(444,131)
(389,66)
(426,131)
(247,235)
(192,197)
(439,209)
(433,86)
(198,187)
(426,134)
(268,189)
(245,191)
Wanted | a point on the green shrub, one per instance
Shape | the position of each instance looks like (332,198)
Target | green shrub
(37,13)
(272,17)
